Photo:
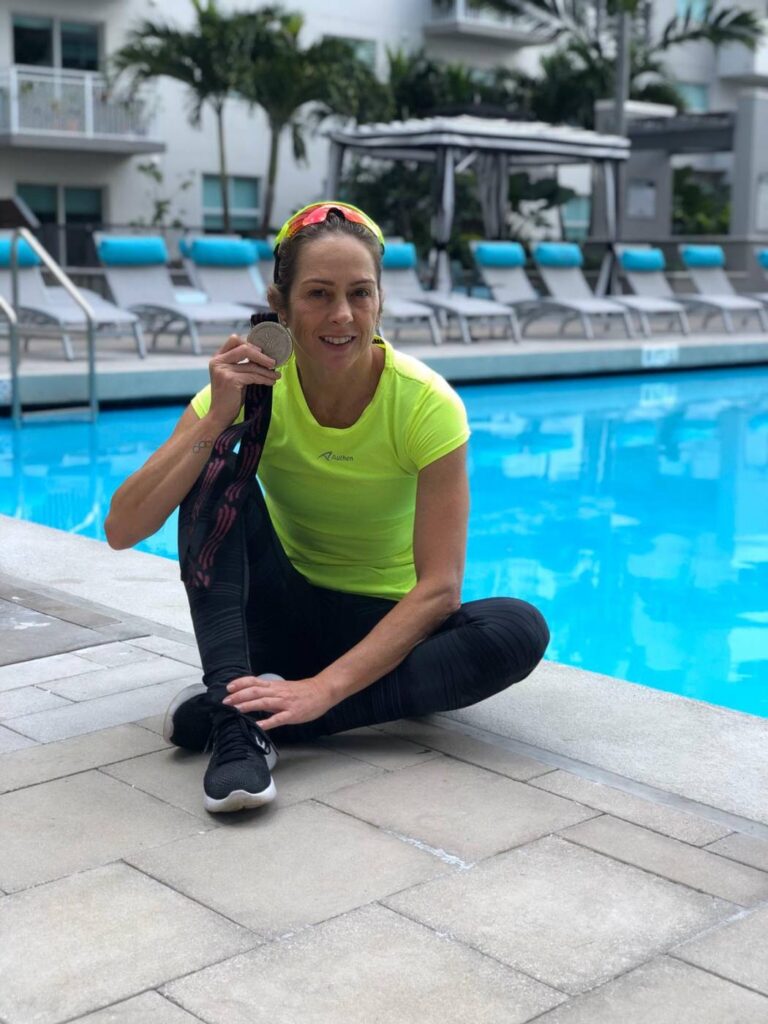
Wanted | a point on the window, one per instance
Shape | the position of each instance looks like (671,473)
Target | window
(82,212)
(79,46)
(363,49)
(47,42)
(66,217)
(42,201)
(244,203)
(575,214)
(33,41)
(695,95)
(696,8)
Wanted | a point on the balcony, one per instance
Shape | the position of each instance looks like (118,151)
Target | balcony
(51,108)
(739,65)
(475,18)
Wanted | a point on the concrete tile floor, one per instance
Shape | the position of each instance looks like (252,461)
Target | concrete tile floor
(408,872)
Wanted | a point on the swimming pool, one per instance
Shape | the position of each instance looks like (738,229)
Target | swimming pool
(631,510)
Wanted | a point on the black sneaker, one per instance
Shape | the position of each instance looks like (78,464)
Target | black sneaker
(238,775)
(188,720)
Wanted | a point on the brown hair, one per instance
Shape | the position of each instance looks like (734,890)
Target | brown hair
(288,253)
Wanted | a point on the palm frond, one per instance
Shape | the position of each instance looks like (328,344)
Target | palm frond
(718,26)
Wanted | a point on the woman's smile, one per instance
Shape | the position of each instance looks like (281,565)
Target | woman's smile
(337,339)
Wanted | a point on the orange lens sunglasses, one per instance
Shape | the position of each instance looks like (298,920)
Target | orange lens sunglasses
(316,213)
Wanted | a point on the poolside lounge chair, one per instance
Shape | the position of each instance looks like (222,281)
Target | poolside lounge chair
(397,311)
(761,255)
(225,270)
(139,279)
(560,266)
(643,269)
(400,282)
(706,266)
(502,269)
(265,258)
(43,310)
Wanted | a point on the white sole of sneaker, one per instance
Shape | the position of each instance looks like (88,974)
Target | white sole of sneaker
(189,691)
(240,800)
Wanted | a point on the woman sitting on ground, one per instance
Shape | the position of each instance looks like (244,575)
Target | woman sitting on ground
(331,600)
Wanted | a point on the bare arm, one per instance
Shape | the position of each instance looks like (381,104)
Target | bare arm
(144,501)
(439,542)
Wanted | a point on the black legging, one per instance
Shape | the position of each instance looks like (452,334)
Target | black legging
(259,614)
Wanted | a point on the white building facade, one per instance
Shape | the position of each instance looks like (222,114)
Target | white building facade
(75,153)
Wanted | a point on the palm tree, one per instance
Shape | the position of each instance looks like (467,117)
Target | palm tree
(207,58)
(298,88)
(399,195)
(421,86)
(588,63)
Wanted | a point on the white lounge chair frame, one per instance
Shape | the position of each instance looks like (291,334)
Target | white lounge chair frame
(569,290)
(652,294)
(51,312)
(512,286)
(403,283)
(148,291)
(718,296)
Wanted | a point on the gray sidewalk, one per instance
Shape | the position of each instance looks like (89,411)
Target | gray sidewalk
(575,851)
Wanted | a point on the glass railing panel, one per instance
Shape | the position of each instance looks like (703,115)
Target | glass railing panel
(38,100)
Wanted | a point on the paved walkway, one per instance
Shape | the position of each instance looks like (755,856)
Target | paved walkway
(439,871)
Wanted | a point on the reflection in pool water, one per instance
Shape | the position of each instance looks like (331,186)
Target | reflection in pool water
(631,510)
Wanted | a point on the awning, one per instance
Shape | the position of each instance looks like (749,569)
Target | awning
(494,146)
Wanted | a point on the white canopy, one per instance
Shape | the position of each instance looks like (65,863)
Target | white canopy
(494,146)
(529,141)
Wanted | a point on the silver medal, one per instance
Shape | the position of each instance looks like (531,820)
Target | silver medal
(273,340)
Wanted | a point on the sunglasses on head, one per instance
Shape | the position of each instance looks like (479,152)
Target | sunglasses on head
(316,213)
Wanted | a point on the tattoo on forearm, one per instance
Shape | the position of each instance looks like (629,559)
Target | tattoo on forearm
(205,442)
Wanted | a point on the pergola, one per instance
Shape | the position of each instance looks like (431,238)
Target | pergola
(493,147)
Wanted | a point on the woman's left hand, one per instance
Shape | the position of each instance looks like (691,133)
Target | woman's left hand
(288,701)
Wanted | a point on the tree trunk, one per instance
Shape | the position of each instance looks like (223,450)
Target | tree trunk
(223,176)
(621,96)
(269,191)
(621,85)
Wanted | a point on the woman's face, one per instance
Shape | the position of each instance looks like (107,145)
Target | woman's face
(334,303)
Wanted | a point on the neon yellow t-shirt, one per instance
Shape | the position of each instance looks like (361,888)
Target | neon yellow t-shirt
(342,500)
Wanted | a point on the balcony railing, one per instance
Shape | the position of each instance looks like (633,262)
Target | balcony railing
(477,18)
(51,103)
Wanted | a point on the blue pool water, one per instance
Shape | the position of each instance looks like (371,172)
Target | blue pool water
(632,511)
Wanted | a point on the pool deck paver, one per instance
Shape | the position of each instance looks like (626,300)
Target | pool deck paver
(577,850)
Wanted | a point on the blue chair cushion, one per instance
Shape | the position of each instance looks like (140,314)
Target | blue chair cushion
(702,256)
(25,254)
(185,247)
(499,254)
(762,258)
(132,251)
(558,254)
(399,256)
(262,249)
(223,252)
(644,260)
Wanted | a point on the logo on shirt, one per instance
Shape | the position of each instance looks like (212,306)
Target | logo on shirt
(332,457)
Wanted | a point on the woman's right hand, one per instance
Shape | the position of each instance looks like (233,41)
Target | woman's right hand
(231,374)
